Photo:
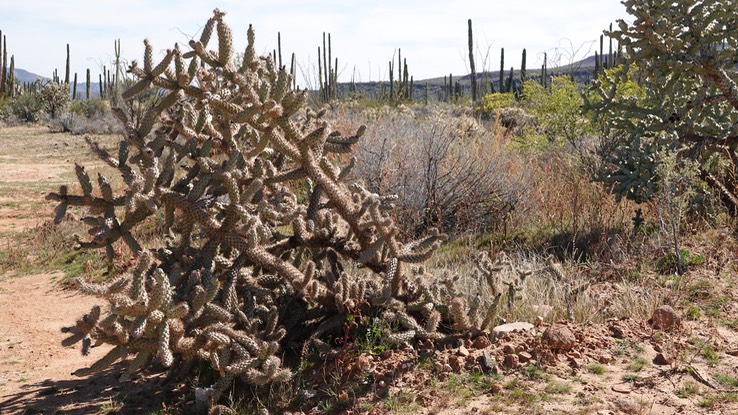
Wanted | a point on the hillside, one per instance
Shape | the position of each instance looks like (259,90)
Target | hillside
(582,73)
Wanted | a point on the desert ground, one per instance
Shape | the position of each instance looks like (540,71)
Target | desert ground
(628,364)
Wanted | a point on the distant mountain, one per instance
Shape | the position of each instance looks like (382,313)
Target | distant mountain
(23,76)
(582,71)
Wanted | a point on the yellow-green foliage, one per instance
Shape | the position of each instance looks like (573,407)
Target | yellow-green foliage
(557,111)
(495,101)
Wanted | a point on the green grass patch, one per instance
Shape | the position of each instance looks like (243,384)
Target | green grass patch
(596,369)
(638,363)
(558,388)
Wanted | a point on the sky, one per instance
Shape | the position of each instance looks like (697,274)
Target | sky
(365,35)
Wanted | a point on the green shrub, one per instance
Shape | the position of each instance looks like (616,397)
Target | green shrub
(26,107)
(557,112)
(90,108)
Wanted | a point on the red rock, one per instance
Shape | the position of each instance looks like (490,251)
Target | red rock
(481,342)
(605,358)
(664,318)
(524,357)
(559,337)
(508,349)
(511,361)
(463,351)
(496,388)
(456,363)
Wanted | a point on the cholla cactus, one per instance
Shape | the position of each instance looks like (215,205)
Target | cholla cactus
(55,98)
(259,218)
(676,89)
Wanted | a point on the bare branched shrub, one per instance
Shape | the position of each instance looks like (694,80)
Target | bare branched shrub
(446,170)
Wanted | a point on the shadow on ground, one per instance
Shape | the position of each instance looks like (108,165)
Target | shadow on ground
(100,393)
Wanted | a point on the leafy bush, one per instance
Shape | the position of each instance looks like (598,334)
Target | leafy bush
(495,101)
(26,107)
(557,111)
(90,108)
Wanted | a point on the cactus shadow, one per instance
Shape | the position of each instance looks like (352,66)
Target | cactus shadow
(99,393)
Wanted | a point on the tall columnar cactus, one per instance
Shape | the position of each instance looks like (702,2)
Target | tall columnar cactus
(685,100)
(268,245)
(87,85)
(11,77)
(502,69)
(66,71)
(2,67)
(473,75)
(523,74)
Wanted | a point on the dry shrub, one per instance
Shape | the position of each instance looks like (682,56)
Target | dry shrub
(569,213)
(446,169)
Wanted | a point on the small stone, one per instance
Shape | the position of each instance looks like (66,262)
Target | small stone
(622,388)
(575,354)
(661,360)
(627,406)
(503,329)
(456,362)
(508,349)
(559,337)
(524,357)
(511,361)
(732,352)
(616,331)
(664,318)
(447,368)
(463,351)
(574,363)
(496,388)
(481,342)
(486,362)
(538,322)
(604,358)
(657,347)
